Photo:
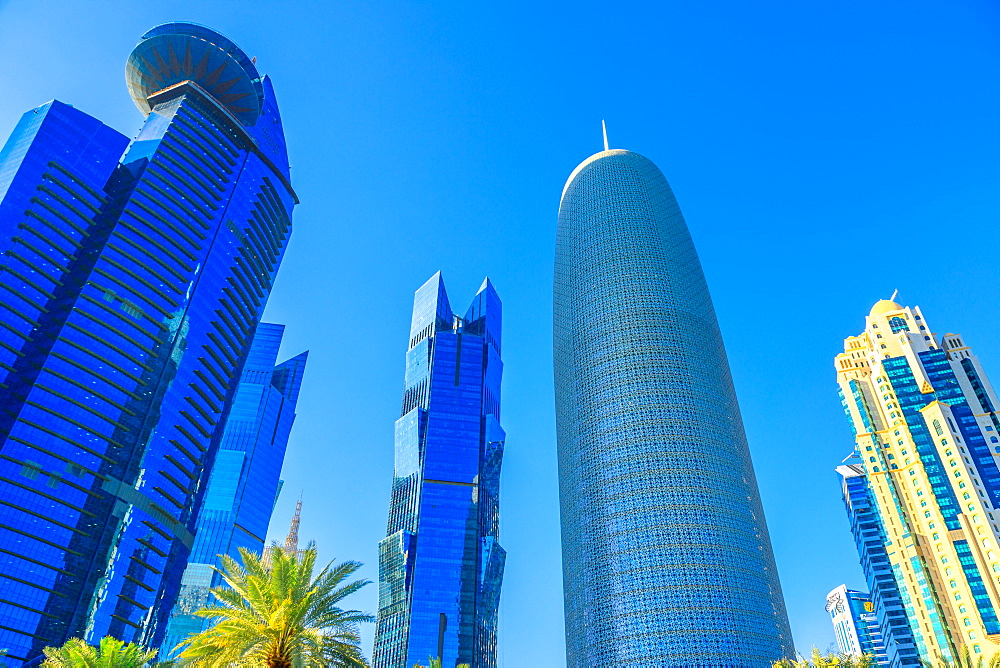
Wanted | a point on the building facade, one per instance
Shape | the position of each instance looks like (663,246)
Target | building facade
(666,555)
(243,485)
(132,287)
(441,565)
(922,411)
(890,614)
(855,623)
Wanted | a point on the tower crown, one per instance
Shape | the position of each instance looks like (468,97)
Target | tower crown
(173,53)
(292,539)
(885,306)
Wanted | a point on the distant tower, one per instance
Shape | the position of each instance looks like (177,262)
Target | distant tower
(440,566)
(243,486)
(666,557)
(890,613)
(292,539)
(291,546)
(855,624)
(926,433)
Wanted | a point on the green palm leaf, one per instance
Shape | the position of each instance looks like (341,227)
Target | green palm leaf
(111,653)
(278,614)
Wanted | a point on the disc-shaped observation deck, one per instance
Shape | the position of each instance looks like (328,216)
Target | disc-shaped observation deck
(173,53)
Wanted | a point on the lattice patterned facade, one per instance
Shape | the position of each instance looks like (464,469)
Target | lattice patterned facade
(666,555)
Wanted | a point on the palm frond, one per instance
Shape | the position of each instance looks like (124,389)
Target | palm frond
(277,612)
(110,653)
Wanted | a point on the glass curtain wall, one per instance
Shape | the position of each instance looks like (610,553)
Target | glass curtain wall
(134,286)
(244,484)
(441,565)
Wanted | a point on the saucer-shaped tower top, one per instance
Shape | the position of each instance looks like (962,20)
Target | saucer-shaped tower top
(175,52)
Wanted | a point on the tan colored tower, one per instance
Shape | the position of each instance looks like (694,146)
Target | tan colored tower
(291,540)
(924,416)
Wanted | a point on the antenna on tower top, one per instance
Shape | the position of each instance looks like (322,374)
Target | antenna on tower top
(604,128)
(894,293)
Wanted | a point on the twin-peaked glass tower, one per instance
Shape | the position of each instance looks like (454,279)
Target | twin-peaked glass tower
(132,287)
(440,565)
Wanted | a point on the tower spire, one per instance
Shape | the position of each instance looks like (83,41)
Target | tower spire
(604,128)
(292,540)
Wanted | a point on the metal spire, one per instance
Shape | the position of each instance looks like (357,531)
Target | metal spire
(604,128)
(292,540)
(894,293)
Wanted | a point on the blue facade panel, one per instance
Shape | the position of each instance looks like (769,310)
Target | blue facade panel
(441,566)
(870,636)
(855,624)
(237,505)
(135,288)
(53,170)
(890,608)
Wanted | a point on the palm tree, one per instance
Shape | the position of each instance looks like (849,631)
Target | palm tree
(436,663)
(278,615)
(965,660)
(830,660)
(112,653)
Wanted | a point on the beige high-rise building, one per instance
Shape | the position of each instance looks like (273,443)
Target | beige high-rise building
(926,427)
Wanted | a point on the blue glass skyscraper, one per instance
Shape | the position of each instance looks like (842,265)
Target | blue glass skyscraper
(666,556)
(131,290)
(243,486)
(890,612)
(440,565)
(855,624)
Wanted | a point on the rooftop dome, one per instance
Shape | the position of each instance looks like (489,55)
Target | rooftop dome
(176,52)
(884,306)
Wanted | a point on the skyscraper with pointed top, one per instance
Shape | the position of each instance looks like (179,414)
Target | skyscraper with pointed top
(292,539)
(291,545)
(666,556)
(440,565)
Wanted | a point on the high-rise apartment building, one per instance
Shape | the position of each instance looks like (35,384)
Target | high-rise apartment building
(890,614)
(132,287)
(923,414)
(440,565)
(666,555)
(855,623)
(243,485)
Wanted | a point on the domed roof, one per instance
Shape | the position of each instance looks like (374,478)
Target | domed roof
(176,52)
(884,306)
(607,153)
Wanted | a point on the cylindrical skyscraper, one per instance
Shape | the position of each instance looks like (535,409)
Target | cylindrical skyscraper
(666,556)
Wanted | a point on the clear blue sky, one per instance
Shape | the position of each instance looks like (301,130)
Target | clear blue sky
(823,154)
